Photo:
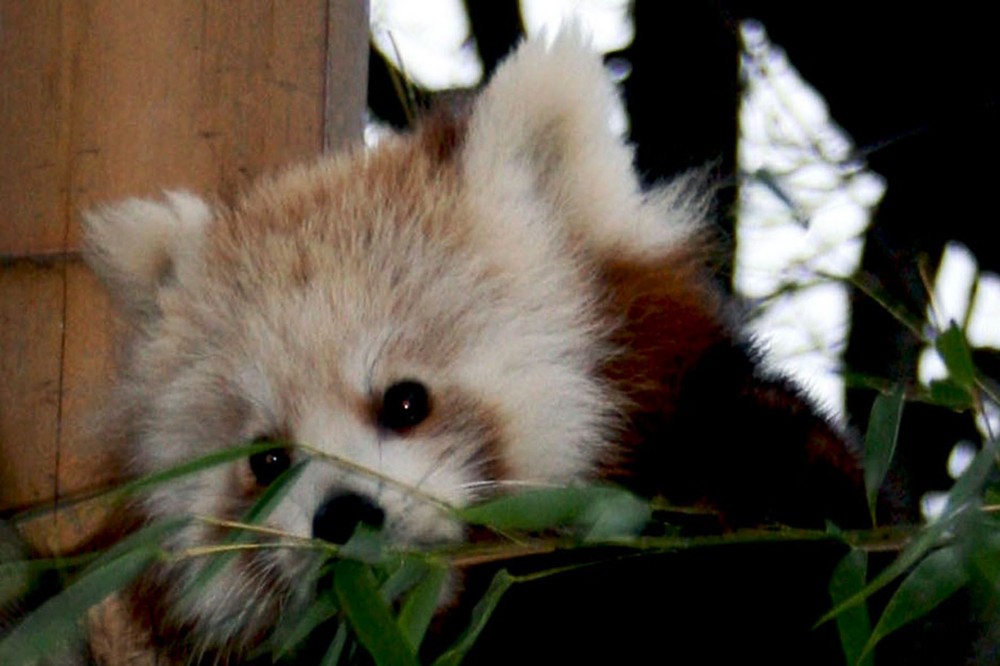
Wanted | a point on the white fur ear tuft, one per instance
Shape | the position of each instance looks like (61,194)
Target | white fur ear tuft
(548,107)
(136,245)
(542,129)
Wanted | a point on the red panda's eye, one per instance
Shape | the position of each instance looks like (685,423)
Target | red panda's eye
(268,465)
(404,405)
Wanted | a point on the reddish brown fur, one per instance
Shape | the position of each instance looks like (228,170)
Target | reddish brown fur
(668,314)
(701,425)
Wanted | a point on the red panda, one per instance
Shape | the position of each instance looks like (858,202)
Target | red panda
(490,299)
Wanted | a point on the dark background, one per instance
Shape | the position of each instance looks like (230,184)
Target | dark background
(917,89)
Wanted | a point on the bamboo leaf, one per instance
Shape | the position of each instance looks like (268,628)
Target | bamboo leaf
(323,608)
(969,487)
(149,537)
(950,395)
(258,512)
(370,615)
(21,577)
(853,625)
(193,467)
(921,544)
(405,577)
(150,480)
(18,575)
(598,511)
(17,578)
(880,442)
(480,616)
(992,495)
(614,516)
(937,577)
(957,357)
(273,494)
(54,625)
(336,649)
(980,548)
(963,498)
(367,544)
(532,510)
(421,604)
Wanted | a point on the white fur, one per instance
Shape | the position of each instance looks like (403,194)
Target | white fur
(542,127)
(286,314)
(135,244)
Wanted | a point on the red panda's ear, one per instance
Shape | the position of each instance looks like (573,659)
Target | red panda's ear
(138,244)
(540,143)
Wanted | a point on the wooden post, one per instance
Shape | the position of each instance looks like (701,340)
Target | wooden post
(346,74)
(102,99)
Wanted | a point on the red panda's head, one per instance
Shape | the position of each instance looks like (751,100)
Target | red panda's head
(424,323)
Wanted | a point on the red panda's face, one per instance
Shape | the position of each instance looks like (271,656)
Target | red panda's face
(377,338)
(418,325)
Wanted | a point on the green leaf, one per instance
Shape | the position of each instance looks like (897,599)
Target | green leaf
(411,570)
(969,487)
(532,510)
(936,578)
(258,512)
(613,516)
(421,604)
(992,495)
(54,625)
(979,543)
(480,616)
(370,615)
(598,511)
(853,625)
(18,574)
(288,638)
(150,480)
(17,578)
(962,500)
(880,442)
(193,467)
(273,494)
(149,537)
(367,544)
(950,395)
(922,543)
(336,649)
(957,357)
(312,603)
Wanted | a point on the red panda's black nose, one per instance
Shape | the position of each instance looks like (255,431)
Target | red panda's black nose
(337,518)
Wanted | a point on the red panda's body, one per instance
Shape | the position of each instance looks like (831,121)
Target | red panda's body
(704,424)
(488,300)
